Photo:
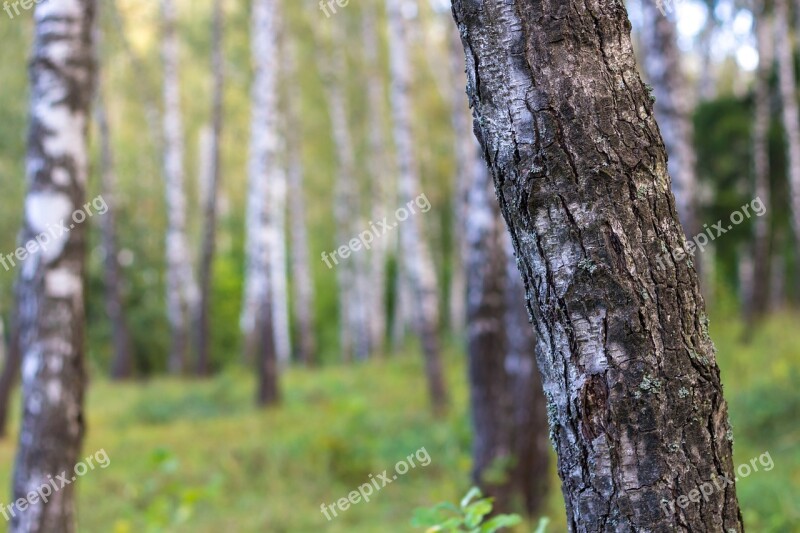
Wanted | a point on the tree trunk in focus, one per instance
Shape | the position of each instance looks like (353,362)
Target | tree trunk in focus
(181,287)
(635,403)
(50,287)
(415,256)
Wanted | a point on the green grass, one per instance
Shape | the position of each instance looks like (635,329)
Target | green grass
(197,456)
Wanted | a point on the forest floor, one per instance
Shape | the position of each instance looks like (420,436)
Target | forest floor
(197,456)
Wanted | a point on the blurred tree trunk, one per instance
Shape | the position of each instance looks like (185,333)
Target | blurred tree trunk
(414,253)
(784,51)
(301,269)
(635,402)
(122,363)
(50,289)
(212,177)
(257,321)
(278,264)
(507,404)
(354,329)
(662,65)
(707,84)
(8,378)
(467,165)
(181,287)
(759,299)
(378,162)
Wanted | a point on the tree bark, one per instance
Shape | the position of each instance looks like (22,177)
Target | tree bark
(784,51)
(507,403)
(257,321)
(203,312)
(415,255)
(635,402)
(759,300)
(181,287)
(662,65)
(301,268)
(50,300)
(122,362)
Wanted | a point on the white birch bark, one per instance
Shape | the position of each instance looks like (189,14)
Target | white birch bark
(415,256)
(50,289)
(182,291)
(263,159)
(788,92)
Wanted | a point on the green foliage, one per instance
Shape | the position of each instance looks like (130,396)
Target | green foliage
(471,515)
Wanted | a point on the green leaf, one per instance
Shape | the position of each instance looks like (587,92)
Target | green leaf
(473,493)
(476,512)
(542,527)
(500,521)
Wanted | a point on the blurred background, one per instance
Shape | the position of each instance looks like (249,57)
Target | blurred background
(190,449)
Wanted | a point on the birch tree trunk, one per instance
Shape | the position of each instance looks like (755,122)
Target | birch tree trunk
(278,264)
(414,253)
(122,363)
(662,65)
(354,334)
(378,163)
(761,252)
(635,403)
(784,51)
(50,301)
(301,268)
(257,310)
(181,288)
(208,246)
(510,444)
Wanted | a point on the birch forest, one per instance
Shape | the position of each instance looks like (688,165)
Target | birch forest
(358,266)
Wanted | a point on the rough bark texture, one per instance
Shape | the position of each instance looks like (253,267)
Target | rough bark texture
(50,301)
(11,364)
(784,51)
(257,320)
(761,253)
(122,362)
(181,287)
(202,316)
(662,65)
(510,446)
(414,253)
(636,410)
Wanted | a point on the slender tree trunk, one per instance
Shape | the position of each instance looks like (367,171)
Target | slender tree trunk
(122,363)
(50,301)
(8,378)
(466,170)
(378,163)
(354,328)
(303,285)
(181,288)
(759,300)
(278,263)
(415,255)
(510,444)
(202,317)
(635,403)
(662,65)
(257,321)
(784,51)
(707,84)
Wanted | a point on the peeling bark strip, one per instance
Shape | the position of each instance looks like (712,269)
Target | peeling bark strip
(50,287)
(635,400)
